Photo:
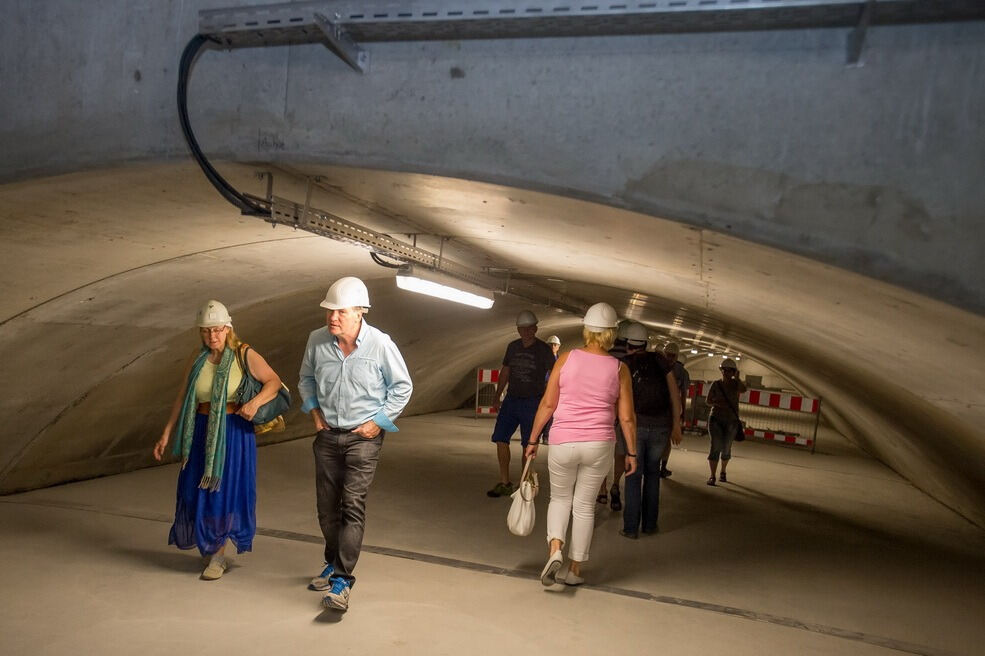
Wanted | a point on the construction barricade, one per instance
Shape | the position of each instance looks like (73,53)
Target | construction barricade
(771,416)
(486,381)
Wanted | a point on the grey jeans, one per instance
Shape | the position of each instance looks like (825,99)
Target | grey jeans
(345,464)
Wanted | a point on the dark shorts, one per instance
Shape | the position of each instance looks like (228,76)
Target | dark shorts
(512,414)
(721,432)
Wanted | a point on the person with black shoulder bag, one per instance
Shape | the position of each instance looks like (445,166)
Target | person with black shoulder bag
(724,425)
(656,400)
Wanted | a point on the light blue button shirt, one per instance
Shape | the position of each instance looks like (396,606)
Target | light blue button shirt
(372,382)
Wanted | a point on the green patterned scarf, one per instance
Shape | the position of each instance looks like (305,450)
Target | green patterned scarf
(215,434)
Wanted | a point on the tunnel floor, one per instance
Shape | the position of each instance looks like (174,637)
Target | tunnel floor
(829,553)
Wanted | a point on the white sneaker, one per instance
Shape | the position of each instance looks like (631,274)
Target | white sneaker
(217,565)
(567,577)
(551,568)
(337,598)
(324,580)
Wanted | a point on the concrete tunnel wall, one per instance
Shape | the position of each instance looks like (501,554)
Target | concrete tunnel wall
(749,138)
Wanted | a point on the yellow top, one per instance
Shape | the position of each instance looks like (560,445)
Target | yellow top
(203,384)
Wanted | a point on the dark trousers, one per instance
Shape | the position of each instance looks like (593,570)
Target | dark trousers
(345,464)
(643,486)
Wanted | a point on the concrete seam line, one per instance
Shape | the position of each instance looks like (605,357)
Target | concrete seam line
(145,266)
(430,559)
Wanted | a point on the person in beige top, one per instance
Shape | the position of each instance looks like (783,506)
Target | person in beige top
(723,423)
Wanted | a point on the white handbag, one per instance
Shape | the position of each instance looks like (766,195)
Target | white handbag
(523,514)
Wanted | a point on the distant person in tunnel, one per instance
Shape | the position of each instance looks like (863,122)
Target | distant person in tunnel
(354,383)
(671,351)
(555,343)
(587,390)
(526,365)
(214,437)
(723,422)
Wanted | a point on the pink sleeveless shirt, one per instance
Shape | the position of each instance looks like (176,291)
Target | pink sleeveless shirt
(586,410)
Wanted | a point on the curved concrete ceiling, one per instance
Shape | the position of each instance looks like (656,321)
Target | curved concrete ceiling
(106,268)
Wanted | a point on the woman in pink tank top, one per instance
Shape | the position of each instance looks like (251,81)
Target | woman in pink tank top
(587,389)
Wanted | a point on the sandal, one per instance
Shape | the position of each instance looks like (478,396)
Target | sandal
(602,498)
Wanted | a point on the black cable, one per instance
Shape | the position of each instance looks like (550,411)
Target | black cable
(228,192)
(383,263)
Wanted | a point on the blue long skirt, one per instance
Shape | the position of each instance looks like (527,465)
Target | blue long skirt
(206,519)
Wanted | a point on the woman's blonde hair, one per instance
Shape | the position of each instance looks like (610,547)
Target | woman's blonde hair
(232,339)
(604,338)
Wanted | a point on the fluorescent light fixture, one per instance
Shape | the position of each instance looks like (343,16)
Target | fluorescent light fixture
(441,285)
(694,351)
(711,355)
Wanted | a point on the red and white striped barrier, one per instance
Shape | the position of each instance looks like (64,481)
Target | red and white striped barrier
(772,436)
(485,377)
(779,437)
(488,375)
(700,388)
(782,401)
(764,398)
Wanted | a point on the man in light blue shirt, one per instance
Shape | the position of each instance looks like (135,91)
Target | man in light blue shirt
(354,383)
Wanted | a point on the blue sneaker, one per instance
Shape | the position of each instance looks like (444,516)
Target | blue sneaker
(338,597)
(322,581)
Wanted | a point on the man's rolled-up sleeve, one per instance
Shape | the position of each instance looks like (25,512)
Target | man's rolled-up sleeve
(398,387)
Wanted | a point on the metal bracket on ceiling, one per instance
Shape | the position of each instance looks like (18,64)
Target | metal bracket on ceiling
(367,21)
(856,37)
(341,43)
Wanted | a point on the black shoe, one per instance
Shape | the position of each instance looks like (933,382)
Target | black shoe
(722,478)
(665,473)
(651,531)
(629,534)
(711,481)
(616,500)
(501,490)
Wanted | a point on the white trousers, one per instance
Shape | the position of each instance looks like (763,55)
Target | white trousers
(577,470)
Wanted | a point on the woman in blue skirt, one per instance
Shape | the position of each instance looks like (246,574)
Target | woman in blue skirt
(215,439)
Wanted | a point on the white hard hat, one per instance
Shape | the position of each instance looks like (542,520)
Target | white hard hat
(346,293)
(554,339)
(526,318)
(728,363)
(636,333)
(623,327)
(600,316)
(213,314)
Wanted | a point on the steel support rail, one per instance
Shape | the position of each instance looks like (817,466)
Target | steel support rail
(408,20)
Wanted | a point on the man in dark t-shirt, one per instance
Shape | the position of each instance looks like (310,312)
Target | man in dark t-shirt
(526,365)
